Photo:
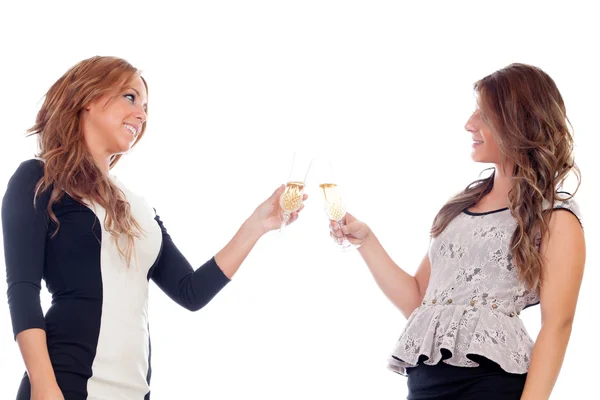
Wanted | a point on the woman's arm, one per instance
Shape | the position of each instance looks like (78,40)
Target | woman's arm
(563,252)
(24,230)
(193,289)
(405,291)
(32,343)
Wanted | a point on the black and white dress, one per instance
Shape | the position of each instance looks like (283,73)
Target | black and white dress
(97,326)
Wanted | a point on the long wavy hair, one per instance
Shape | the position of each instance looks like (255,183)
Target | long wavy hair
(68,163)
(526,114)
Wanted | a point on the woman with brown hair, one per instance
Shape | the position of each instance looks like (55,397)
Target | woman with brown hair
(506,242)
(66,219)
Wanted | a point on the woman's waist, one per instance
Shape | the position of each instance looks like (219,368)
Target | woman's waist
(460,321)
(499,303)
(83,322)
(506,310)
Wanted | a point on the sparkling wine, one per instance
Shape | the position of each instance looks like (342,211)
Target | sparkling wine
(291,199)
(334,207)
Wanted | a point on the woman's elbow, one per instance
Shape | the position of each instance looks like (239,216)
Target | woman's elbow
(193,306)
(564,324)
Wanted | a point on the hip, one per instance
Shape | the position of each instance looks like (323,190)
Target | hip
(444,381)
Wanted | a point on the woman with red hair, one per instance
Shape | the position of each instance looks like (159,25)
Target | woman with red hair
(97,244)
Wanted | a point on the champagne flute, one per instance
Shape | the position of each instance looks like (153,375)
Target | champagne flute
(335,208)
(291,199)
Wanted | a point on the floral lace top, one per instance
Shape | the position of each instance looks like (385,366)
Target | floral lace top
(473,299)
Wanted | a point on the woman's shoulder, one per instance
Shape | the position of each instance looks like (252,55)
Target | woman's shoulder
(21,188)
(32,168)
(566,201)
(27,174)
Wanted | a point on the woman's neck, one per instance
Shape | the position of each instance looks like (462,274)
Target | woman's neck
(503,181)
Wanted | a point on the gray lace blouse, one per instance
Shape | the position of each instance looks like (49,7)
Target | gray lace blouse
(474,298)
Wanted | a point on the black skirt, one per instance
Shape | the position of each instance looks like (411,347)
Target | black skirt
(447,382)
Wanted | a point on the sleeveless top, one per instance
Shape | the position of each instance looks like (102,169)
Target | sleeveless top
(474,297)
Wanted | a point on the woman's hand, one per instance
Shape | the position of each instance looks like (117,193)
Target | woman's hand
(268,215)
(46,392)
(356,231)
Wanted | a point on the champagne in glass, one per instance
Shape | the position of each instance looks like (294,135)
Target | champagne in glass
(291,199)
(334,205)
(334,208)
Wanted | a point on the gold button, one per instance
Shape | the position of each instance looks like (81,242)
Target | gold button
(494,306)
(518,312)
(433,301)
(512,314)
(449,301)
(472,302)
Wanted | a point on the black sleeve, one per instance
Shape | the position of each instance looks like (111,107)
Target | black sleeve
(24,230)
(176,277)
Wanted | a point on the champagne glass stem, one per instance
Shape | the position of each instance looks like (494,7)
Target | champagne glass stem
(340,226)
(284,220)
(345,242)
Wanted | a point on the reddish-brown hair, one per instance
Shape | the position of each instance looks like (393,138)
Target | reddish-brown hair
(68,163)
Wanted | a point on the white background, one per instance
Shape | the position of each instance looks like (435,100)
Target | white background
(235,88)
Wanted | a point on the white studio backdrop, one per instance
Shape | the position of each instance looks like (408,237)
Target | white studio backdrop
(234,89)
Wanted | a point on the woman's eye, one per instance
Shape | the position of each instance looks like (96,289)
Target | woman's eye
(131,97)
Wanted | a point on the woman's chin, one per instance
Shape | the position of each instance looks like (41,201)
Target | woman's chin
(120,150)
(125,147)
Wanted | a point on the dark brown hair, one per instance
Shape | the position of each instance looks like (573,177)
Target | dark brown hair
(526,114)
